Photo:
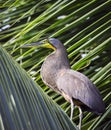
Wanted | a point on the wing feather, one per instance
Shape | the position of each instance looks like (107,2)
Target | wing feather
(79,87)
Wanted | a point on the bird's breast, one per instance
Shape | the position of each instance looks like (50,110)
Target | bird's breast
(49,75)
(51,67)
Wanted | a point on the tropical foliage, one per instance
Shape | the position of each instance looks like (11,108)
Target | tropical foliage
(84,27)
(23,103)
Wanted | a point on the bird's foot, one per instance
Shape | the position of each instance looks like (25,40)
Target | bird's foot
(79,127)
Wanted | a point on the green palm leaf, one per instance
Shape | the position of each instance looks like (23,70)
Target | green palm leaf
(84,28)
(23,103)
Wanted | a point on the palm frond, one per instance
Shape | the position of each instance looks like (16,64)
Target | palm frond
(82,26)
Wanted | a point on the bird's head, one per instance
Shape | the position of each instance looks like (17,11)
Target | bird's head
(52,43)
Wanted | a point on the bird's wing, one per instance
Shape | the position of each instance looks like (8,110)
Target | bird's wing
(79,87)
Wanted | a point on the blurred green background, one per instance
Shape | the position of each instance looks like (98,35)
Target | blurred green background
(84,27)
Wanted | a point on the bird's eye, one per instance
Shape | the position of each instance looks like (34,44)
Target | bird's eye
(50,41)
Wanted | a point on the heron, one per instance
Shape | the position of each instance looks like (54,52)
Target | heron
(74,86)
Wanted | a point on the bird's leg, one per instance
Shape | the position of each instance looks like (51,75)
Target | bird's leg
(72,108)
(80,118)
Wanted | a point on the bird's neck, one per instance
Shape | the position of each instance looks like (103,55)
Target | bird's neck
(55,62)
(61,58)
